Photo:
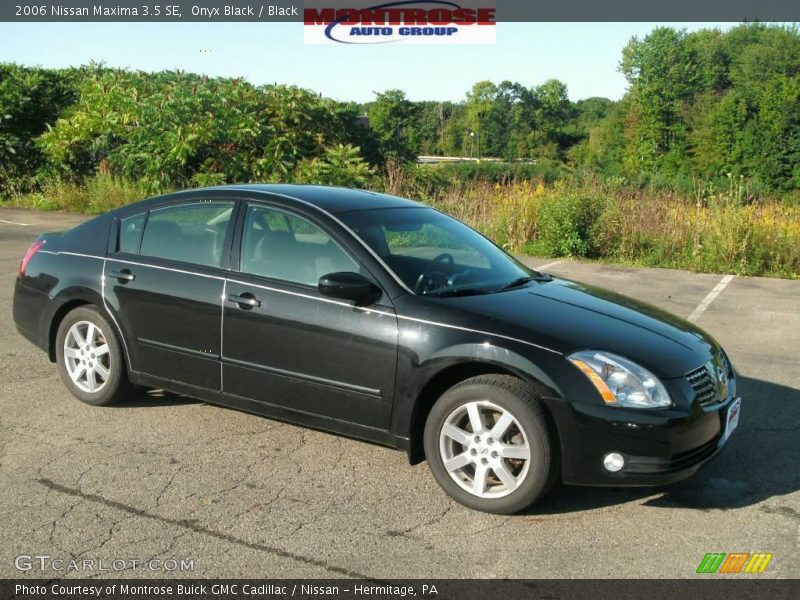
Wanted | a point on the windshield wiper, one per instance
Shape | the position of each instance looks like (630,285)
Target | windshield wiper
(523,280)
(516,283)
(472,291)
(459,292)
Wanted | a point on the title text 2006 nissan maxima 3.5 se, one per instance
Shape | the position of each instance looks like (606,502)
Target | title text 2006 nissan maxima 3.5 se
(379,318)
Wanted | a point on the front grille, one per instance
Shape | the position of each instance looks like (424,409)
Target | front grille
(704,385)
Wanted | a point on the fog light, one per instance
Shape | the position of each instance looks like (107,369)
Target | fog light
(613,462)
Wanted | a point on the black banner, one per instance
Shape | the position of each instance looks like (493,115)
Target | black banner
(292,11)
(714,588)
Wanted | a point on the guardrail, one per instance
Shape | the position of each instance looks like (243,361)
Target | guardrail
(429,159)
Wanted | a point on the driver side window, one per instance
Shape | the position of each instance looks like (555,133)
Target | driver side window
(284,246)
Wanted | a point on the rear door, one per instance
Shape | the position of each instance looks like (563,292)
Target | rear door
(288,345)
(165,284)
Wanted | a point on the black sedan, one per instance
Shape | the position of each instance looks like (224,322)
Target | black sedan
(378,318)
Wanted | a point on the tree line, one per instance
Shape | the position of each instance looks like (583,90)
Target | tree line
(706,104)
(168,129)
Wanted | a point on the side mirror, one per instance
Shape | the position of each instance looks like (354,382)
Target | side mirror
(348,286)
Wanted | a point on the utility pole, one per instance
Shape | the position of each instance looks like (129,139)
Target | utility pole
(480,122)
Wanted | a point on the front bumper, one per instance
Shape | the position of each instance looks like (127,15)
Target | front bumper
(659,447)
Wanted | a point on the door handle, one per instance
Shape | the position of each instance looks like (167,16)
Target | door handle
(122,276)
(244,300)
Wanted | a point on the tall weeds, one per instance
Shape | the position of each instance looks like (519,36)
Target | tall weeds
(711,231)
(96,195)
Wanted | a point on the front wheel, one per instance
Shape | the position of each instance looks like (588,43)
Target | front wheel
(489,444)
(89,358)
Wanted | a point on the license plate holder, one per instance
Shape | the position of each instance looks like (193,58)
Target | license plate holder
(732,418)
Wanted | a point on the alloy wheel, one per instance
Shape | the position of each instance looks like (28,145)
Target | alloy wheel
(87,357)
(484,449)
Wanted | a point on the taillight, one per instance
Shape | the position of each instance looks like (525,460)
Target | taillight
(28,256)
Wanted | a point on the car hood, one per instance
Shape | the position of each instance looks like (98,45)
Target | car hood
(567,316)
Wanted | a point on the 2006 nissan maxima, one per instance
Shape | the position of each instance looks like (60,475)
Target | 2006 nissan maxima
(378,318)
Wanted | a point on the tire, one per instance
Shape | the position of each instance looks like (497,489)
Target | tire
(99,376)
(511,482)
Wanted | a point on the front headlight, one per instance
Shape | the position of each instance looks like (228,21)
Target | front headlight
(621,382)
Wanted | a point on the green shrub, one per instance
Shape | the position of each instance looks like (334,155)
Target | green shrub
(341,165)
(567,223)
(605,233)
(494,171)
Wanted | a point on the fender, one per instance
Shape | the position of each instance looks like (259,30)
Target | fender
(79,282)
(492,354)
(65,301)
(60,304)
(422,384)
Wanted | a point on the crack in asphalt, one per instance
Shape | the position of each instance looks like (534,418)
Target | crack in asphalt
(784,511)
(408,534)
(192,525)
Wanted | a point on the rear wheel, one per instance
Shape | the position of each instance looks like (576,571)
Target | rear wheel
(489,444)
(89,358)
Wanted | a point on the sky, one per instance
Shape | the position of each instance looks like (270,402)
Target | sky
(585,56)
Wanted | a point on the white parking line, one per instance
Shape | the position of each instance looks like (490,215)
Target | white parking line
(712,295)
(548,265)
(15,223)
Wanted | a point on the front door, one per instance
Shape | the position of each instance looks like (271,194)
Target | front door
(165,285)
(286,344)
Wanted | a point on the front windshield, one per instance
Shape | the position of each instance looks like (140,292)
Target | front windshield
(436,255)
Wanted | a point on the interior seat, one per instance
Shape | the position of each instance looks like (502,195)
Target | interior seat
(160,238)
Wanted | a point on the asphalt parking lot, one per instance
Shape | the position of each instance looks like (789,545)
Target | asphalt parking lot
(171,478)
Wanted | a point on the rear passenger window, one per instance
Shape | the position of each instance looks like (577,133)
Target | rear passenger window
(130,233)
(283,246)
(192,233)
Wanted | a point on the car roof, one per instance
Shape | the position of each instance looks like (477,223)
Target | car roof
(331,199)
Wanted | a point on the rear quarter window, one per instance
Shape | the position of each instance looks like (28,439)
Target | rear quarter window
(130,233)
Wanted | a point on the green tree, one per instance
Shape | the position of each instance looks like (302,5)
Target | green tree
(481,116)
(706,104)
(172,129)
(31,99)
(392,116)
(340,165)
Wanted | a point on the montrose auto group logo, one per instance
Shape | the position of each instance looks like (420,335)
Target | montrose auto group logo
(399,22)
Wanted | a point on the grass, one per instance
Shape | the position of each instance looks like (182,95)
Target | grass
(97,195)
(714,231)
(717,231)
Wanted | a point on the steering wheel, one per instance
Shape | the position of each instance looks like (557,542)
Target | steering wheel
(425,277)
(456,278)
